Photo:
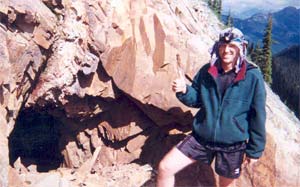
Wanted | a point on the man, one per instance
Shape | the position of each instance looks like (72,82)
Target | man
(231,96)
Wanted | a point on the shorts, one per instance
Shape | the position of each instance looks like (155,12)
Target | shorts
(228,158)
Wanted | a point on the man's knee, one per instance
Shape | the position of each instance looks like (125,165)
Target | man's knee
(173,162)
(164,166)
(226,182)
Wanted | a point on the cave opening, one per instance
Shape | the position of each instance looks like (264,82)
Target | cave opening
(35,140)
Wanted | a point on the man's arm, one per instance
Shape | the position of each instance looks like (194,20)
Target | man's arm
(188,95)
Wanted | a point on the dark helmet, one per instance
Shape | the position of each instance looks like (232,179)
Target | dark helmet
(234,36)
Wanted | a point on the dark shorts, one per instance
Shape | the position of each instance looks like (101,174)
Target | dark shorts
(228,158)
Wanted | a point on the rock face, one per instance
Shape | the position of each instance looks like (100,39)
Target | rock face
(85,90)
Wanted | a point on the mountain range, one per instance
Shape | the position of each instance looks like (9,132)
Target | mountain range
(245,14)
(285,32)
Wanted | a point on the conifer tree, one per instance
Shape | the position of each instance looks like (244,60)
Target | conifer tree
(257,55)
(219,9)
(267,42)
(209,3)
(250,49)
(229,22)
(215,6)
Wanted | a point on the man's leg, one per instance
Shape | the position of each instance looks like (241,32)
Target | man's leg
(226,182)
(228,164)
(173,162)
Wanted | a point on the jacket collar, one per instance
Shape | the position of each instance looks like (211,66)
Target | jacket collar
(213,70)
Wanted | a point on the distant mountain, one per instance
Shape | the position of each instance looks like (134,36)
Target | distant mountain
(246,14)
(250,12)
(286,77)
(286,27)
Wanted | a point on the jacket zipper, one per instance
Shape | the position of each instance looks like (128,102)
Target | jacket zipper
(221,98)
(219,109)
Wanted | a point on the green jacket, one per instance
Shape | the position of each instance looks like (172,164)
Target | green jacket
(237,116)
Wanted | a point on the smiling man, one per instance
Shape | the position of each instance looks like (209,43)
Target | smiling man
(231,96)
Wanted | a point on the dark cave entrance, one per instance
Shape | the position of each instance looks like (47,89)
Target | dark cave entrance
(35,139)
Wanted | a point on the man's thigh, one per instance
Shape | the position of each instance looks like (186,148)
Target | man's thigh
(195,150)
(228,163)
(175,161)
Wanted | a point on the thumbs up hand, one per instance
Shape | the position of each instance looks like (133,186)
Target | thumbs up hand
(179,85)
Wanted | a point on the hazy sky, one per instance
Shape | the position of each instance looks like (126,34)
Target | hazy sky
(238,6)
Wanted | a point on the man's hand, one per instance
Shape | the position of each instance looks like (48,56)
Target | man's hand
(249,162)
(179,84)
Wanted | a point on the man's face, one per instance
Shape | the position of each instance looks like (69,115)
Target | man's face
(229,53)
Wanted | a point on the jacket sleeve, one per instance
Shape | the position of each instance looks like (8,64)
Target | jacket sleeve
(257,131)
(192,96)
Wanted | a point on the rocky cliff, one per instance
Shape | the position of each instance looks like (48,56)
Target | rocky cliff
(86,98)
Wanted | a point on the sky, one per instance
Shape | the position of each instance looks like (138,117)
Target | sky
(247,6)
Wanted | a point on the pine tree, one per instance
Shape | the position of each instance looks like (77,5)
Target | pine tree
(229,22)
(250,48)
(209,3)
(254,53)
(267,42)
(219,9)
(257,56)
(216,6)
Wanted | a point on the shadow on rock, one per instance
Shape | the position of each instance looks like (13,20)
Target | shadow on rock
(35,139)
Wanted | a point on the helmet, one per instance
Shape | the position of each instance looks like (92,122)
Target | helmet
(234,36)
